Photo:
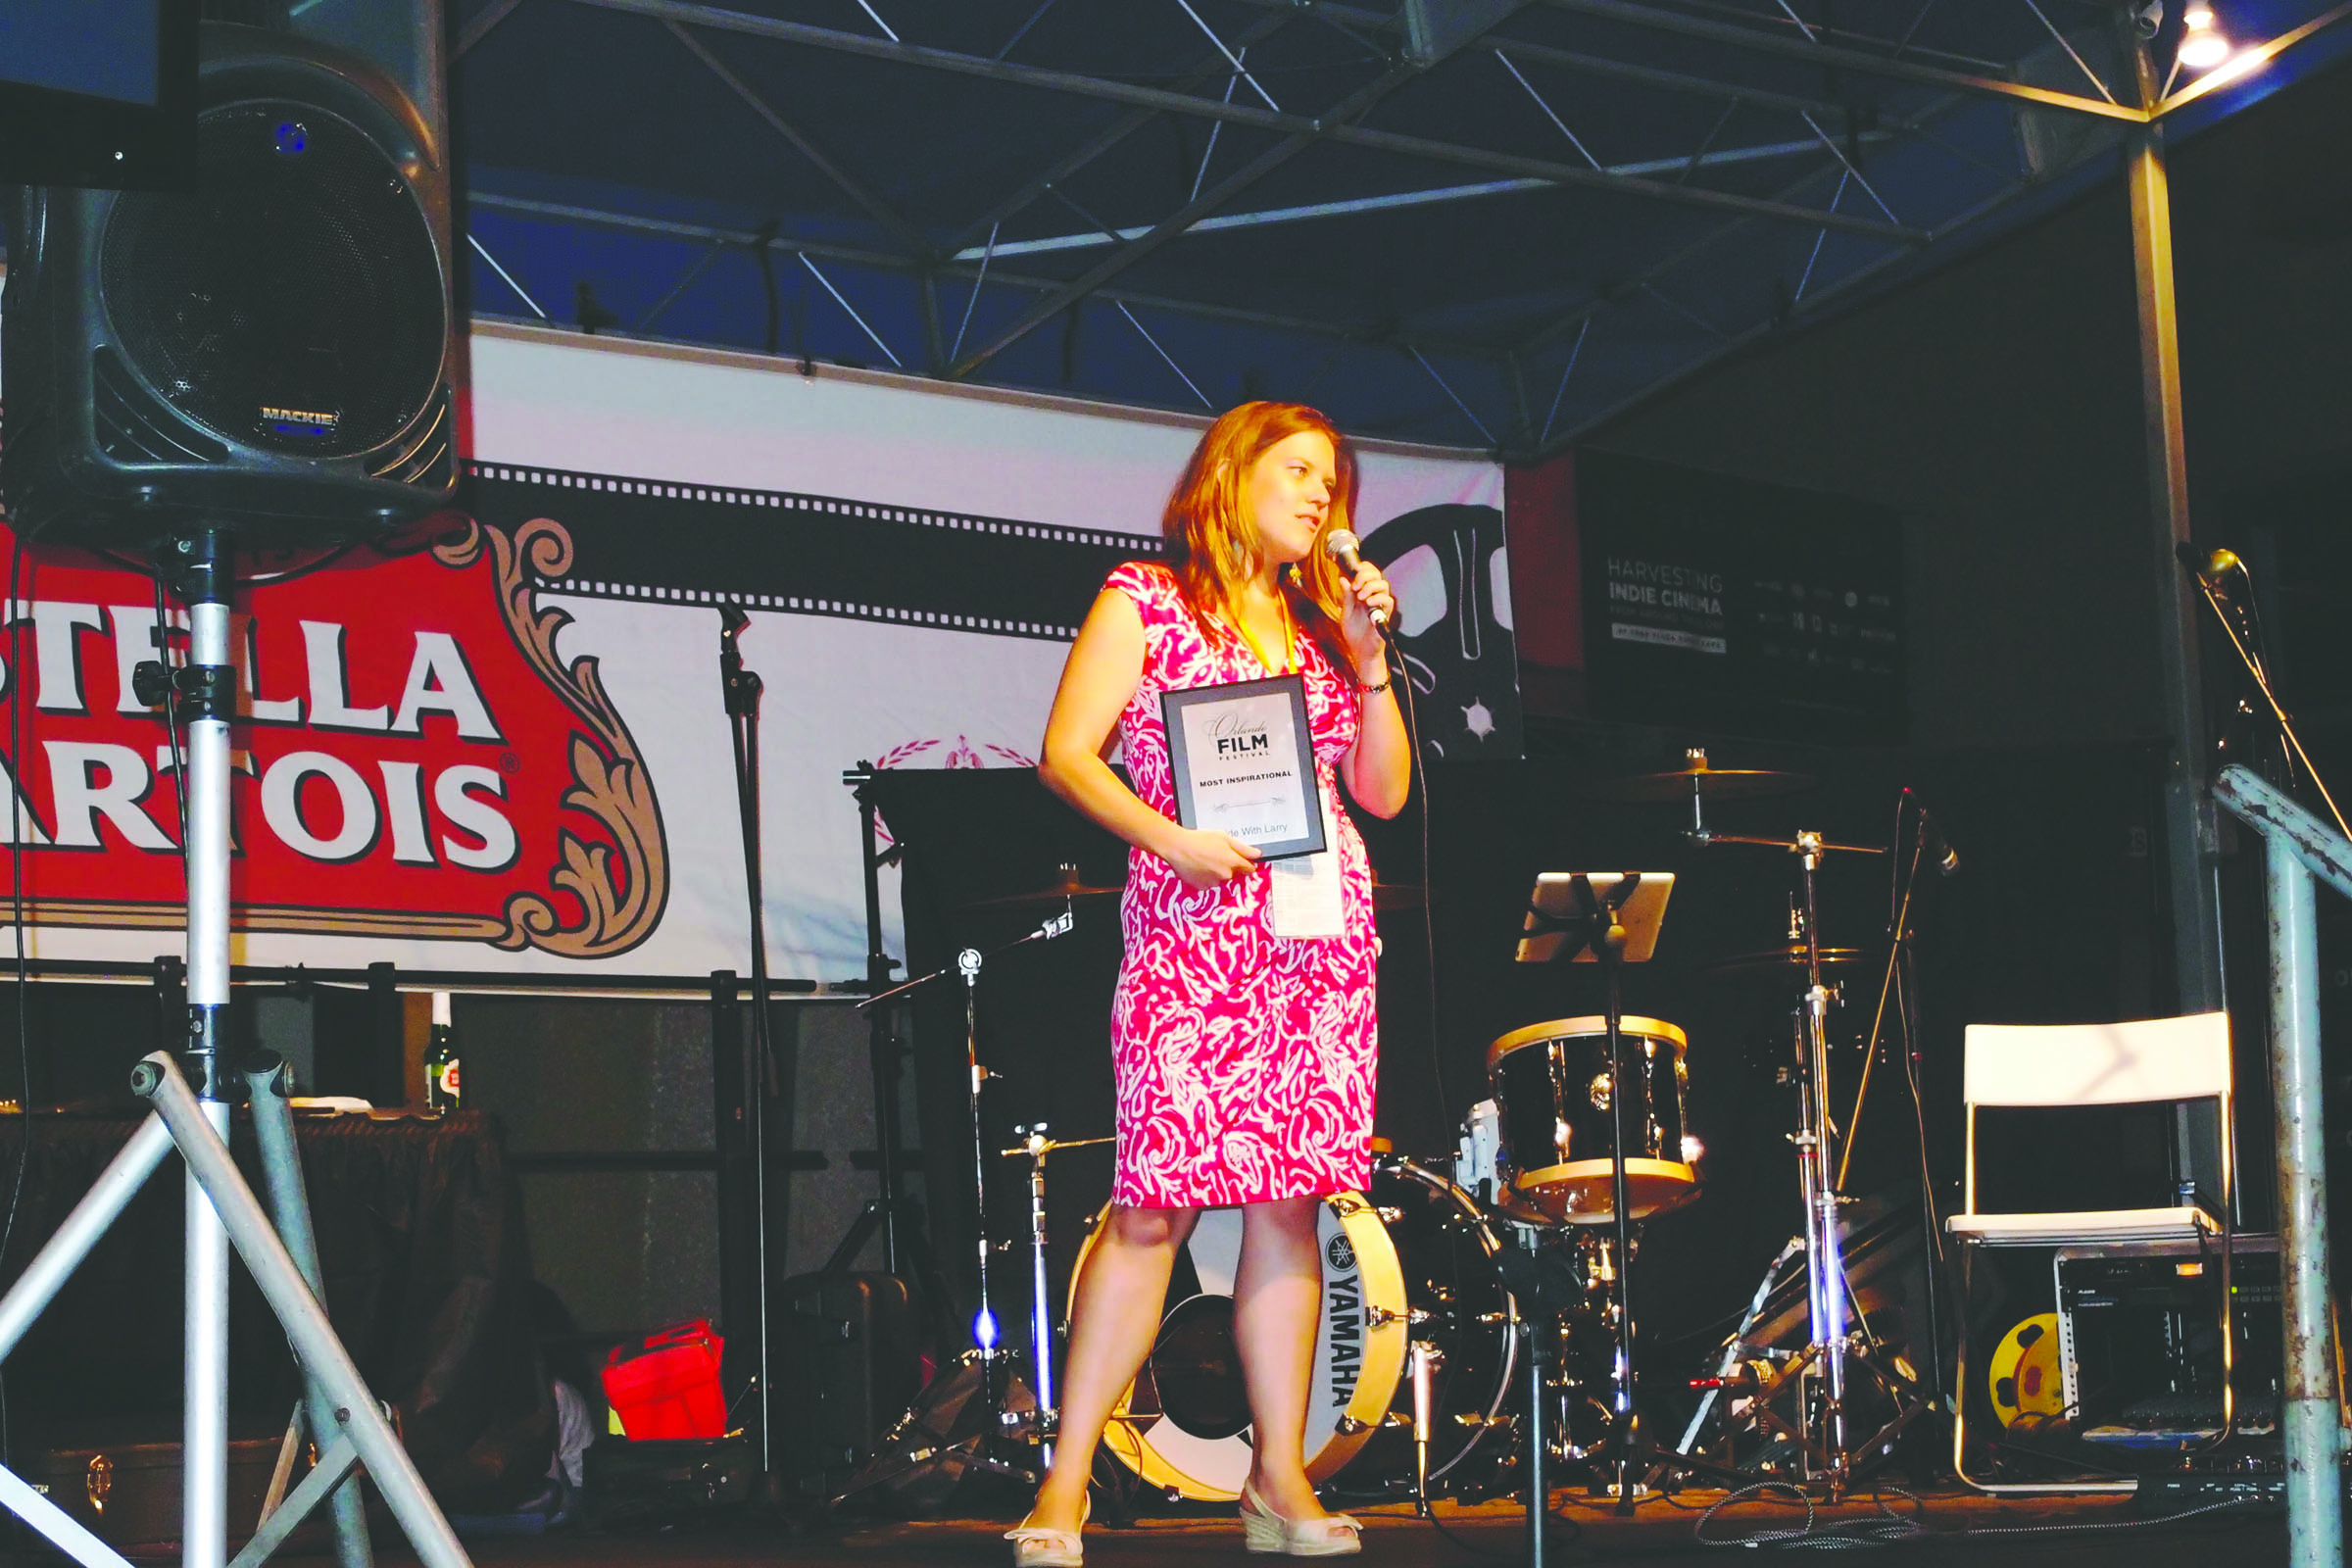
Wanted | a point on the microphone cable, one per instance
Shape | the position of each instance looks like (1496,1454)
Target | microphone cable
(1402,673)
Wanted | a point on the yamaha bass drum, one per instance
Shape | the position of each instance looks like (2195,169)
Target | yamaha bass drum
(1409,1259)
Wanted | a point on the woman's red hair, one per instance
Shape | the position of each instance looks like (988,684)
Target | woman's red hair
(1212,547)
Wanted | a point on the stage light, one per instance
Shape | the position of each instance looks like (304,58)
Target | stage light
(984,1329)
(2202,45)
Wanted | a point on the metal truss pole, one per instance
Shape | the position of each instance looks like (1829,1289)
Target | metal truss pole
(2190,838)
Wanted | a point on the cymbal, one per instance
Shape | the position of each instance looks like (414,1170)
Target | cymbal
(1711,784)
(1787,965)
(1066,887)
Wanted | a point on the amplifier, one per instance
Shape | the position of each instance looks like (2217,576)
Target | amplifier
(2141,1346)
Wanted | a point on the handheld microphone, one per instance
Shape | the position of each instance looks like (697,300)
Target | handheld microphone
(1347,551)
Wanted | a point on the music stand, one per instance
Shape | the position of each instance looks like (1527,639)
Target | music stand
(1560,909)
(1612,918)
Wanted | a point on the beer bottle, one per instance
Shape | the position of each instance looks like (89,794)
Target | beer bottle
(441,1086)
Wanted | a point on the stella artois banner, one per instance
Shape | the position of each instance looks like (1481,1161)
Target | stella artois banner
(498,744)
(436,773)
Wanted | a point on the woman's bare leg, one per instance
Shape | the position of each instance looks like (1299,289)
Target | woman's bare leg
(1277,1296)
(1113,1324)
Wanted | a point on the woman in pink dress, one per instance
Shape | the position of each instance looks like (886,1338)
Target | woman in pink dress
(1245,1057)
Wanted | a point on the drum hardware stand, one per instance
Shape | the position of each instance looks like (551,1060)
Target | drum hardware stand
(1035,1145)
(1735,1350)
(988,1357)
(1826,1350)
(741,689)
(1422,1359)
(221,1210)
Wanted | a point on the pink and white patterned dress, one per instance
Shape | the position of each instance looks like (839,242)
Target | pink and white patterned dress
(1245,1062)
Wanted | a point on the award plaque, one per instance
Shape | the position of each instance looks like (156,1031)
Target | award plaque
(1243,764)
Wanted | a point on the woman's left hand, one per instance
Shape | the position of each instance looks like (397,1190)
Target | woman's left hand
(1367,592)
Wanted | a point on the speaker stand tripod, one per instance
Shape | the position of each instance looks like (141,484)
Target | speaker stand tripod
(222,1210)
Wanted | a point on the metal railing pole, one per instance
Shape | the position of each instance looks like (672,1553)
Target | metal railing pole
(2309,1419)
(2299,850)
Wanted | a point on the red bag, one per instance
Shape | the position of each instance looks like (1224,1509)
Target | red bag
(666,1386)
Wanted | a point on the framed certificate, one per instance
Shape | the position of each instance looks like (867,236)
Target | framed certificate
(1243,764)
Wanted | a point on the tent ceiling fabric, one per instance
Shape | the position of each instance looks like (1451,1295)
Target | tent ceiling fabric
(1478,222)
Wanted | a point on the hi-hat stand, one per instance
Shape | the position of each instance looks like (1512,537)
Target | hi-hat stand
(1035,1147)
(348,1427)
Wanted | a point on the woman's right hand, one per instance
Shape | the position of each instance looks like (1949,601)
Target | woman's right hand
(1205,860)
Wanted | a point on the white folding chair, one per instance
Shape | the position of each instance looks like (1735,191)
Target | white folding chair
(2158,1059)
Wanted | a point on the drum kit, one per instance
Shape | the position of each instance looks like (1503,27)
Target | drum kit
(1475,1331)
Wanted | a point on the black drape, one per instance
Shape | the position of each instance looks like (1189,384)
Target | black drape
(421,1245)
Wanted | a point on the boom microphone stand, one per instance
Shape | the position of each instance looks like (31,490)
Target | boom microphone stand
(2208,574)
(912,1445)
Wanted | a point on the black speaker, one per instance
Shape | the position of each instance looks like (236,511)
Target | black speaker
(273,349)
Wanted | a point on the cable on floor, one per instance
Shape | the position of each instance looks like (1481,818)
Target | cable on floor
(1888,1526)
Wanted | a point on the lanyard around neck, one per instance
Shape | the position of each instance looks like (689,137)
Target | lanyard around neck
(1289,636)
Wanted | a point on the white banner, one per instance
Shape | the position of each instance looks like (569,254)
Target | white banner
(912,559)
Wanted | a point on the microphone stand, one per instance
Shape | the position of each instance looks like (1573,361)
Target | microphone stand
(741,689)
(908,1446)
(967,968)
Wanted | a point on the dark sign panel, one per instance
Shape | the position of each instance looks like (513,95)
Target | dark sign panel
(1727,605)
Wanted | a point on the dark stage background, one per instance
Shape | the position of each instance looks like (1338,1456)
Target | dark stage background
(2056,917)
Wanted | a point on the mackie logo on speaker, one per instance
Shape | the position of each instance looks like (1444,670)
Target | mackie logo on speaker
(299,422)
(413,758)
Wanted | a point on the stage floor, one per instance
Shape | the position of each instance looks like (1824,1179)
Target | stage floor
(2099,1531)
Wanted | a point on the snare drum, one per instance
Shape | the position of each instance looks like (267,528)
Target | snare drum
(1551,1084)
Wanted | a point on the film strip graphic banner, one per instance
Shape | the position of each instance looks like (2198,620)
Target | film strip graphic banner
(664,542)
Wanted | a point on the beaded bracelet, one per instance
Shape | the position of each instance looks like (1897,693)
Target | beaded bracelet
(1374,691)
